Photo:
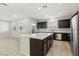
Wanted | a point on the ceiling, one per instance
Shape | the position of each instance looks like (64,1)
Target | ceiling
(36,10)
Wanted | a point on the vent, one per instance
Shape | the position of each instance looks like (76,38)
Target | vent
(3,4)
(44,6)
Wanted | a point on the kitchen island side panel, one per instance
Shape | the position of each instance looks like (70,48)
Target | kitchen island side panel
(36,47)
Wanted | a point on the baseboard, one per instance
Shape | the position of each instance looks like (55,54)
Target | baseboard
(22,52)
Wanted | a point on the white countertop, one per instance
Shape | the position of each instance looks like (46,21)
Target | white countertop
(41,35)
(37,35)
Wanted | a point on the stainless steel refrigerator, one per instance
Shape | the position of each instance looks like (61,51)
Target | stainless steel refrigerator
(75,35)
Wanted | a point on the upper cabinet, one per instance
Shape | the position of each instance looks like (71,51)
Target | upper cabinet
(41,25)
(47,24)
(64,23)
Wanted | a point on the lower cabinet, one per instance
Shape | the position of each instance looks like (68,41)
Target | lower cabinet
(45,47)
(40,47)
(65,36)
(36,47)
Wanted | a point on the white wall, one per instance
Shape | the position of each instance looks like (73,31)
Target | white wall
(33,24)
(5,42)
(52,23)
(27,23)
(4,28)
(24,42)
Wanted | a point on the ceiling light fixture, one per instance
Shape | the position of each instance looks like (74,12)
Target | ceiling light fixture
(3,4)
(44,6)
(39,8)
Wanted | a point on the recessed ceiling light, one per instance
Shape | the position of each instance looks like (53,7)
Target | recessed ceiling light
(33,24)
(39,8)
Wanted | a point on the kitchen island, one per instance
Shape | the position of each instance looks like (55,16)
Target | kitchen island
(38,43)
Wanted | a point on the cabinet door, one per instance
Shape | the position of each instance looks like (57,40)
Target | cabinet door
(45,47)
(50,41)
(41,25)
(64,23)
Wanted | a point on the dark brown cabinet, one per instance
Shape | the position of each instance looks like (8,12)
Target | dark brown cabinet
(41,25)
(40,47)
(64,23)
(45,47)
(65,36)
